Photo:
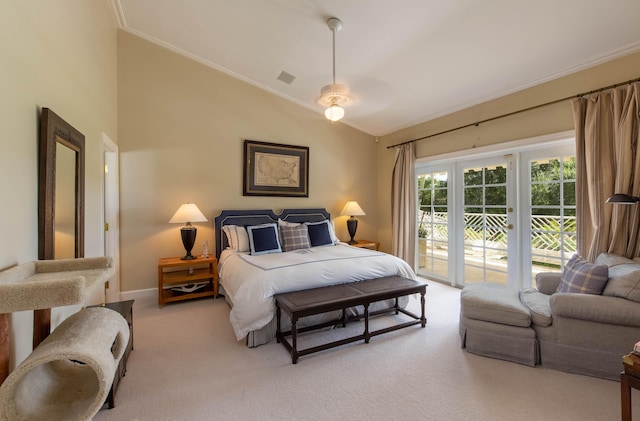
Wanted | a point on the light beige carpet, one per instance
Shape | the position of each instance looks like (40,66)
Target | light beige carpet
(187,365)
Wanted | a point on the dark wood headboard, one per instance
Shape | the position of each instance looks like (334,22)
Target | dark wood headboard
(246,218)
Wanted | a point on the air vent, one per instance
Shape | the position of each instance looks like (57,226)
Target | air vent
(286,77)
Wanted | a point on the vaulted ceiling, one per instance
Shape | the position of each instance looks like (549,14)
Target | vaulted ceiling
(404,61)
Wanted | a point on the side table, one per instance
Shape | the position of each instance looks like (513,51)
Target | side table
(366,244)
(201,273)
(125,308)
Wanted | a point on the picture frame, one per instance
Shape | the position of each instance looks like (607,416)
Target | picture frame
(273,169)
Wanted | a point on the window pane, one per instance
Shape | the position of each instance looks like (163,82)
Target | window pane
(545,170)
(547,194)
(570,193)
(569,168)
(473,196)
(473,177)
(440,180)
(496,195)
(496,175)
(440,197)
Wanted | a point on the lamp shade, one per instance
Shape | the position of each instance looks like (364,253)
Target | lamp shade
(352,208)
(622,199)
(187,212)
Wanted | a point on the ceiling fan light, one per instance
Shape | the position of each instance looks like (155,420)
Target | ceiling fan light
(334,112)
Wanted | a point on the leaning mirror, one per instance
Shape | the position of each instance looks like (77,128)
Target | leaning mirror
(60,189)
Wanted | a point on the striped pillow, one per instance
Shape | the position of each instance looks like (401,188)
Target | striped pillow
(294,237)
(583,277)
(237,237)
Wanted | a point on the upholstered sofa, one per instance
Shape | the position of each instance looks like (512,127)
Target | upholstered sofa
(569,331)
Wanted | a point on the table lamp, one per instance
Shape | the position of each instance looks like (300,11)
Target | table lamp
(352,208)
(188,213)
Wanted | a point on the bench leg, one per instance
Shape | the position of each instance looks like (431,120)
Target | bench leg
(367,335)
(278,317)
(294,340)
(423,318)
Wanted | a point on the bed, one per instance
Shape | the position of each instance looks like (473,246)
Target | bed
(252,272)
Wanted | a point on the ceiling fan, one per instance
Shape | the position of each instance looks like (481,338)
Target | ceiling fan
(334,95)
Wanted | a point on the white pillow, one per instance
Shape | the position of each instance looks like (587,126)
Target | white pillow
(237,237)
(332,232)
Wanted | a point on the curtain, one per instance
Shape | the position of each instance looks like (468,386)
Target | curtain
(403,204)
(607,159)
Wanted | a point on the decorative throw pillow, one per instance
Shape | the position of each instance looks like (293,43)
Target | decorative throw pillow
(584,277)
(237,237)
(263,239)
(319,233)
(294,237)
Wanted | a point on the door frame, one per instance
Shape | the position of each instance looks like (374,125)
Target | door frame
(111,203)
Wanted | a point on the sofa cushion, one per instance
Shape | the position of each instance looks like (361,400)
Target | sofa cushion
(583,277)
(494,303)
(538,304)
(624,282)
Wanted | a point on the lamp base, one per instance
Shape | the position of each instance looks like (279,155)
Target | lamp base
(352,226)
(188,234)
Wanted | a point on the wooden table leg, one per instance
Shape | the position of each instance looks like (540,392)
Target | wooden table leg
(5,350)
(625,395)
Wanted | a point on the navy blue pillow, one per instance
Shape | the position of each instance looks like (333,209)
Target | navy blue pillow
(263,239)
(319,234)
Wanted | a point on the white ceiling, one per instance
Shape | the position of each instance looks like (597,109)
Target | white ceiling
(404,61)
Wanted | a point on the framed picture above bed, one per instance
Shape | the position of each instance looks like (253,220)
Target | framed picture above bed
(273,169)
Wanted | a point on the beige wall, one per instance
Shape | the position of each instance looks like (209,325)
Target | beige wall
(60,55)
(181,131)
(552,119)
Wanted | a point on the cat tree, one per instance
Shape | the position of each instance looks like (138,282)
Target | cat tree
(67,376)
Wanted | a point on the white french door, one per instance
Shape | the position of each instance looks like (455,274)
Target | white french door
(496,217)
(487,234)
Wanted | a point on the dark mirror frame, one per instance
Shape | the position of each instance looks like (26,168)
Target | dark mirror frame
(54,130)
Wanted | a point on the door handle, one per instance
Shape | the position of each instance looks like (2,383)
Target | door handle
(510,226)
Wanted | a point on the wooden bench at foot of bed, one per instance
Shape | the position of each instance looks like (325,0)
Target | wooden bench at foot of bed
(309,302)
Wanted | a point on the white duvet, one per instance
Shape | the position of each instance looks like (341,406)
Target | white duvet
(251,281)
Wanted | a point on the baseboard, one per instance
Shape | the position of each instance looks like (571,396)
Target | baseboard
(140,293)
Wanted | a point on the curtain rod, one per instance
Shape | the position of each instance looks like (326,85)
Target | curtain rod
(477,123)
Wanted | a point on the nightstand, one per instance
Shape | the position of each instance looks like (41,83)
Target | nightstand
(366,244)
(186,279)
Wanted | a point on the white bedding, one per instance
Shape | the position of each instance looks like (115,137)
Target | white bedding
(251,281)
